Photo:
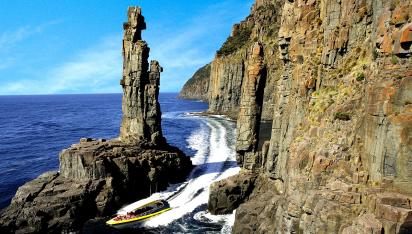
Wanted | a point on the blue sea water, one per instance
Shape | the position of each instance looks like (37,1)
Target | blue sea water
(34,129)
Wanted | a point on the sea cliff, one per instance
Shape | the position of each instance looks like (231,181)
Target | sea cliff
(197,87)
(98,176)
(335,78)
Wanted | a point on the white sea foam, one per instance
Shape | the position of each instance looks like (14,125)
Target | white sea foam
(227,220)
(222,117)
(170,114)
(198,141)
(212,150)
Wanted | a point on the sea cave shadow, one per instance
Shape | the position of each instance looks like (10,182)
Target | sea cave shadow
(212,167)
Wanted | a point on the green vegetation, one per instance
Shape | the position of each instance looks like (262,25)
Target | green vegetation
(300,59)
(236,42)
(263,8)
(271,32)
(393,4)
(322,99)
(266,12)
(375,54)
(394,59)
(202,74)
(342,116)
(360,76)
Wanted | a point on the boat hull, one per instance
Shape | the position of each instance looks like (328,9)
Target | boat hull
(140,219)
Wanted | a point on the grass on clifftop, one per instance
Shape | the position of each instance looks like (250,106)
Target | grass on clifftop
(234,43)
(202,74)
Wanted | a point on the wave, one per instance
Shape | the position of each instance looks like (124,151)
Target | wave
(227,220)
(198,141)
(213,142)
(171,114)
(177,115)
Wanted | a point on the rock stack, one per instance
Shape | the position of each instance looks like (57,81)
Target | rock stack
(141,111)
(97,177)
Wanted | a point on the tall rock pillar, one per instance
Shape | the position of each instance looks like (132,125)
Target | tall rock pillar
(141,112)
(152,111)
(251,102)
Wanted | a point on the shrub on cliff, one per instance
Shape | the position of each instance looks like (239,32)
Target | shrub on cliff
(360,76)
(342,116)
(202,74)
(235,42)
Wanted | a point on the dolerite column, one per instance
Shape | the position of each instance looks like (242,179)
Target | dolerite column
(141,112)
(153,113)
(251,102)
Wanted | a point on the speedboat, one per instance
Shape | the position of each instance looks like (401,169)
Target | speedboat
(139,214)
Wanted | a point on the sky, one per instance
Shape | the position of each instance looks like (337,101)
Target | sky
(68,46)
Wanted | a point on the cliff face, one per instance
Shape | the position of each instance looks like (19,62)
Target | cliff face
(340,152)
(97,177)
(197,87)
(228,71)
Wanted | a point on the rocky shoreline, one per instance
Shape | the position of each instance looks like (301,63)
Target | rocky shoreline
(97,177)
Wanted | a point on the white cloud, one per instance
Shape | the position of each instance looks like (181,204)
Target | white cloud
(93,70)
(182,52)
(10,38)
(90,70)
(97,69)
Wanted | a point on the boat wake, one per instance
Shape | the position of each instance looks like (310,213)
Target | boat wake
(214,160)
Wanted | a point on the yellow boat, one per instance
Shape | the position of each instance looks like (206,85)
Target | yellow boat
(140,214)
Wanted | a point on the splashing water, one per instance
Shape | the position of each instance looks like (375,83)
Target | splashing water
(214,160)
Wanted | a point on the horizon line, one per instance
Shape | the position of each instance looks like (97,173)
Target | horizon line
(51,94)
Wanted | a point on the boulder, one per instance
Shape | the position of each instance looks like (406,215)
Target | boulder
(226,195)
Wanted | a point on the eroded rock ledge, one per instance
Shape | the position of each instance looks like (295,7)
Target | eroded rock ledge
(97,177)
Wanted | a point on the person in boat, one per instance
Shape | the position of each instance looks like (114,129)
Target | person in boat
(142,211)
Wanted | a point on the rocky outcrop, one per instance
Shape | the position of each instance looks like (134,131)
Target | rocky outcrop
(97,177)
(141,111)
(225,196)
(338,160)
(258,216)
(197,86)
(155,166)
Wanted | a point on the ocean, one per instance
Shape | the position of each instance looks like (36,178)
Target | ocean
(34,129)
